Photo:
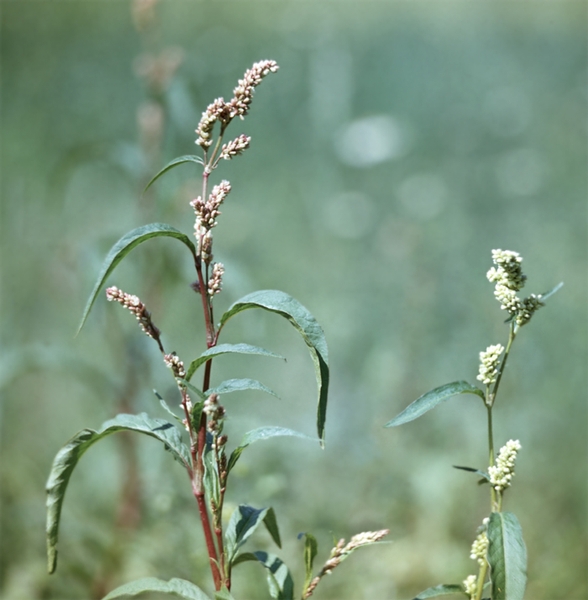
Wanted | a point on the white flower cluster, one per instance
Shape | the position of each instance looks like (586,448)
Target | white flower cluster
(509,279)
(489,364)
(206,215)
(502,473)
(479,548)
(470,584)
(216,281)
(136,307)
(172,361)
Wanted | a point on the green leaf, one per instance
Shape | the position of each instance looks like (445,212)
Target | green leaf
(314,337)
(262,433)
(431,399)
(177,587)
(310,551)
(227,349)
(243,522)
(123,247)
(482,474)
(237,385)
(174,163)
(279,579)
(507,557)
(271,524)
(552,291)
(441,590)
(223,594)
(167,408)
(211,476)
(69,455)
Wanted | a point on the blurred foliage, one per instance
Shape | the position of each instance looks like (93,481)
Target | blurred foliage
(398,144)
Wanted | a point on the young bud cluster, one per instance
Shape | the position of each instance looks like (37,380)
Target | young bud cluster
(470,585)
(502,472)
(480,548)
(243,93)
(216,414)
(217,111)
(172,361)
(216,281)
(133,304)
(509,279)
(235,147)
(489,364)
(206,215)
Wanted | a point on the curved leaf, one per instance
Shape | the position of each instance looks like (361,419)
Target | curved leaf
(485,477)
(507,557)
(441,590)
(174,163)
(279,579)
(312,333)
(176,587)
(69,455)
(237,385)
(310,551)
(227,349)
(431,399)
(262,433)
(123,247)
(244,521)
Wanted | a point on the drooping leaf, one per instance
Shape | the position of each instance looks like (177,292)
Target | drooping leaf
(123,247)
(174,163)
(166,407)
(238,385)
(192,388)
(279,579)
(507,557)
(312,333)
(271,524)
(243,522)
(69,455)
(441,590)
(310,551)
(174,587)
(227,349)
(431,399)
(482,474)
(262,433)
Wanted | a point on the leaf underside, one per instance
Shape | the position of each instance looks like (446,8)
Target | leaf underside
(431,399)
(67,458)
(237,385)
(126,243)
(279,579)
(301,319)
(507,556)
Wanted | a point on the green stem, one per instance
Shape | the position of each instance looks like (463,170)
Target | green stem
(491,456)
(511,336)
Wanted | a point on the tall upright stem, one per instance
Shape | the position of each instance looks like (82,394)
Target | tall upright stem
(491,456)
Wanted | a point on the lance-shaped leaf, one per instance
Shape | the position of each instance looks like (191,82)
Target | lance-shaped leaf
(174,587)
(485,477)
(227,349)
(69,455)
(262,433)
(312,333)
(310,551)
(123,247)
(279,579)
(431,399)
(507,557)
(174,163)
(238,385)
(441,590)
(244,521)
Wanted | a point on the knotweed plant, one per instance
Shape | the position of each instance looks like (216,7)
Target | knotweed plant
(197,439)
(498,548)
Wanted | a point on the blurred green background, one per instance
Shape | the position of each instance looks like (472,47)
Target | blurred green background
(397,145)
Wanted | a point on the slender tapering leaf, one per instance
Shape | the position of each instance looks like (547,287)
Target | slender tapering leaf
(238,385)
(262,433)
(179,588)
(441,590)
(123,247)
(431,399)
(279,579)
(312,333)
(310,551)
(243,522)
(67,458)
(482,474)
(227,349)
(507,557)
(271,524)
(174,163)
(554,290)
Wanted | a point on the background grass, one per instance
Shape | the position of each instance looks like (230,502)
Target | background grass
(398,144)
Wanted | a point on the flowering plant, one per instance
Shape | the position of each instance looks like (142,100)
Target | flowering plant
(205,456)
(499,548)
